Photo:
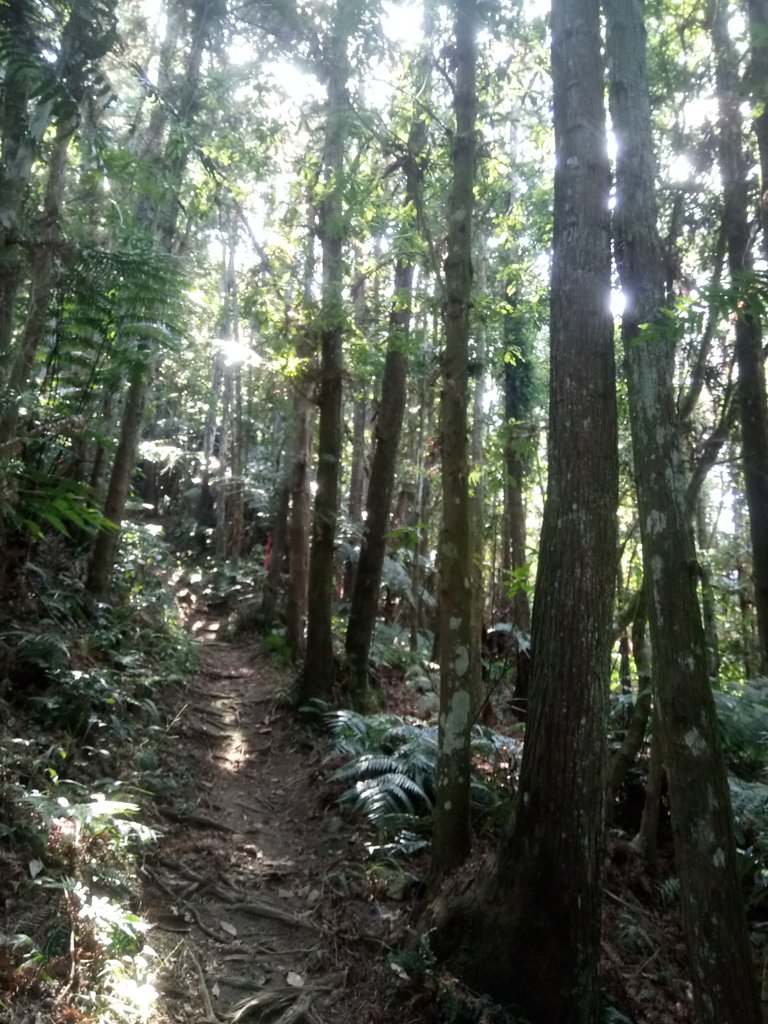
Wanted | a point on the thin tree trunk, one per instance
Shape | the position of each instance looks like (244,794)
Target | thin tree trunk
(646,841)
(298,531)
(713,910)
(758,81)
(389,422)
(317,677)
(108,541)
(518,387)
(753,403)
(458,645)
(356,486)
(481,706)
(158,220)
(634,737)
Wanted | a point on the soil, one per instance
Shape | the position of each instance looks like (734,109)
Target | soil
(257,892)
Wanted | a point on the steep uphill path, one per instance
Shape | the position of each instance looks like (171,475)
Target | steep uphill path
(258,902)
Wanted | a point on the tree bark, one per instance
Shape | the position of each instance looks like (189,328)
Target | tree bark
(713,912)
(365,595)
(317,676)
(753,404)
(518,386)
(531,935)
(458,646)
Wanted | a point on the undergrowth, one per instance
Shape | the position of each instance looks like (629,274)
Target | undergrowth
(78,688)
(389,765)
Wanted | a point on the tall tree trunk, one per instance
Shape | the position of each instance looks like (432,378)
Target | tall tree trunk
(317,676)
(753,403)
(481,707)
(518,390)
(757,11)
(298,530)
(356,486)
(458,645)
(713,912)
(389,422)
(300,458)
(531,935)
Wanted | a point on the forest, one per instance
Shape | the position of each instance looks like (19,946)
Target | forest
(383,404)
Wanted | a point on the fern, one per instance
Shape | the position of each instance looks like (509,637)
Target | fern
(743,713)
(391,763)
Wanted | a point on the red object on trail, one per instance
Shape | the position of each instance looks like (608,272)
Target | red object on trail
(267,551)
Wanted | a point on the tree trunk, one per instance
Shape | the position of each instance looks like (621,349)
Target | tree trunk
(298,530)
(356,487)
(458,645)
(482,708)
(758,81)
(531,936)
(279,546)
(365,596)
(317,676)
(41,282)
(713,912)
(646,841)
(753,404)
(634,737)
(518,390)
(107,541)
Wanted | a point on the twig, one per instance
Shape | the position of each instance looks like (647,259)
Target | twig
(630,906)
(642,966)
(204,927)
(299,1011)
(197,818)
(210,1014)
(264,909)
(233,982)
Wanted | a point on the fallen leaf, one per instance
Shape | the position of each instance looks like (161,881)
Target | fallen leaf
(35,867)
(228,928)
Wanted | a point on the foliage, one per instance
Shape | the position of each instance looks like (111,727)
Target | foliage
(391,763)
(742,711)
(84,845)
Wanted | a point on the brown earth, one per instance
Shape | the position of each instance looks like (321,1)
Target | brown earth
(257,892)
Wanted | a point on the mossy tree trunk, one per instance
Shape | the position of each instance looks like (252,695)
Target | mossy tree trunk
(458,645)
(721,972)
(389,421)
(318,672)
(752,400)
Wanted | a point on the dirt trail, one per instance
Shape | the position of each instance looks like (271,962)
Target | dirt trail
(258,911)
